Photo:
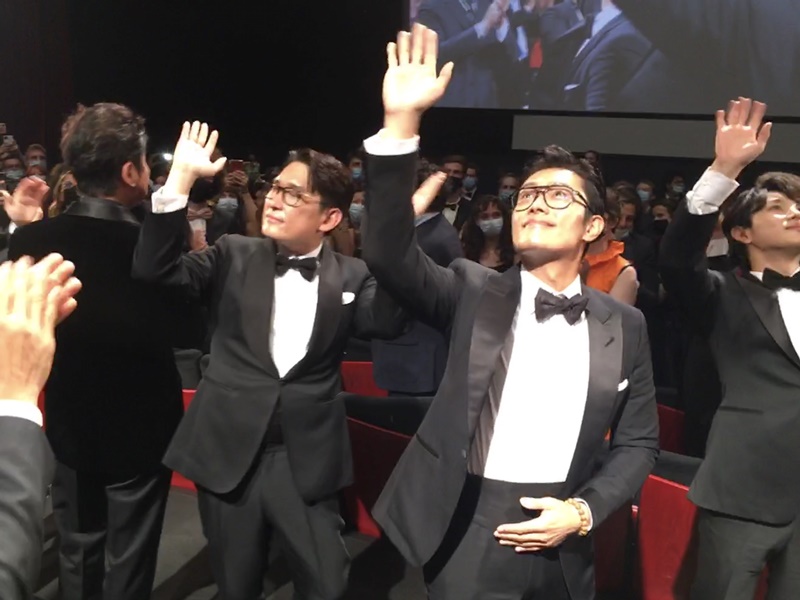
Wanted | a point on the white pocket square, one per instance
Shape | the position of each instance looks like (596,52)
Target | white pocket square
(622,386)
(348,297)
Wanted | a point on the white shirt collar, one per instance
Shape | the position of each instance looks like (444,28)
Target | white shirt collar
(760,274)
(313,254)
(532,284)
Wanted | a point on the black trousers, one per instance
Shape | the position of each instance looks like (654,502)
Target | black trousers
(109,532)
(732,554)
(240,527)
(472,565)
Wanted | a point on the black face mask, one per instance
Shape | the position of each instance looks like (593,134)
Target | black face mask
(70,196)
(452,185)
(659,226)
(204,190)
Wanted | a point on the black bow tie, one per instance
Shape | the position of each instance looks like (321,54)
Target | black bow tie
(775,281)
(306,266)
(549,305)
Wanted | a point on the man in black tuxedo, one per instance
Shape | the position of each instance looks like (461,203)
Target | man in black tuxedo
(748,487)
(477,34)
(32,298)
(113,399)
(265,438)
(413,364)
(492,496)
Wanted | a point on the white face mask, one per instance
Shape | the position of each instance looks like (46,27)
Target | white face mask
(227,202)
(491,227)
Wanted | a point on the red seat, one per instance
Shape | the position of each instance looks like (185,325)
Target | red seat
(666,541)
(357,379)
(670,423)
(375,454)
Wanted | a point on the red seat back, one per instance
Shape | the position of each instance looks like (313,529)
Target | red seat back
(357,379)
(670,423)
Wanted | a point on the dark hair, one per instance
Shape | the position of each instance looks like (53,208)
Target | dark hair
(472,238)
(455,158)
(98,141)
(360,154)
(36,147)
(670,206)
(556,157)
(613,206)
(12,155)
(739,213)
(425,169)
(327,177)
(508,174)
(787,184)
(473,166)
(628,195)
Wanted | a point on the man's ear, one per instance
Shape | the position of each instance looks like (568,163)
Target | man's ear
(332,218)
(130,174)
(594,228)
(742,234)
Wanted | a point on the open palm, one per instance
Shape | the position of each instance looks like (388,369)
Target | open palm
(742,135)
(194,150)
(411,83)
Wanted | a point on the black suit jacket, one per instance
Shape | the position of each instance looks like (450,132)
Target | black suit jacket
(704,39)
(478,60)
(476,306)
(223,430)
(414,362)
(26,470)
(601,69)
(752,464)
(113,398)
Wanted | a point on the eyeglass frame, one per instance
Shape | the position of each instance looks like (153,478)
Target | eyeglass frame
(541,190)
(298,197)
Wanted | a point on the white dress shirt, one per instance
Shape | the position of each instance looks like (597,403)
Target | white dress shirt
(601,19)
(294,305)
(529,428)
(708,194)
(21,409)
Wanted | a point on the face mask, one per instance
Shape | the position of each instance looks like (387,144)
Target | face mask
(452,185)
(660,226)
(717,247)
(622,233)
(644,195)
(470,183)
(506,196)
(356,210)
(37,162)
(356,173)
(15,174)
(491,227)
(228,203)
(678,188)
(70,195)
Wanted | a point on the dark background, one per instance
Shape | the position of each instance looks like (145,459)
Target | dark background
(269,74)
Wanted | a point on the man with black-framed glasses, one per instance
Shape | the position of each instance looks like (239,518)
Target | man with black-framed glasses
(265,438)
(500,489)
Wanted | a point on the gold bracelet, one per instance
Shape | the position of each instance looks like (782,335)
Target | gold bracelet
(584,515)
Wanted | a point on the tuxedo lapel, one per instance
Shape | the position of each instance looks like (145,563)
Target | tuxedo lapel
(765,303)
(329,310)
(595,40)
(257,303)
(494,317)
(605,368)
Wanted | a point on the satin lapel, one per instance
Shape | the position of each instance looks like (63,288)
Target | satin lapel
(605,368)
(765,303)
(494,317)
(596,39)
(329,310)
(98,208)
(258,292)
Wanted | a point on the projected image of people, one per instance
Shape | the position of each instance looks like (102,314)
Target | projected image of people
(640,56)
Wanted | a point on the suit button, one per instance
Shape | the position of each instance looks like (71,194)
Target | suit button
(463,454)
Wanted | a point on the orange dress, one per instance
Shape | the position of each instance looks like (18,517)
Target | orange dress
(604,268)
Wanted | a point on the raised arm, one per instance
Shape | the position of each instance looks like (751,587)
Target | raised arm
(388,241)
(741,138)
(159,255)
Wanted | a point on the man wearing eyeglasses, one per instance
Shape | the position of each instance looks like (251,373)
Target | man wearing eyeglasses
(507,477)
(265,438)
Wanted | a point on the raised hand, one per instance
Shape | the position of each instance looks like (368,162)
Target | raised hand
(411,85)
(427,192)
(742,136)
(25,204)
(191,159)
(33,298)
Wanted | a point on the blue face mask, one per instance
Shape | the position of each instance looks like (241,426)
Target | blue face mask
(678,188)
(356,210)
(644,195)
(491,227)
(470,183)
(506,195)
(356,173)
(15,174)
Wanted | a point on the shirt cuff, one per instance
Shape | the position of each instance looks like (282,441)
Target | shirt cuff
(21,409)
(12,227)
(377,145)
(708,194)
(167,204)
(585,505)
(481,30)
(502,31)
